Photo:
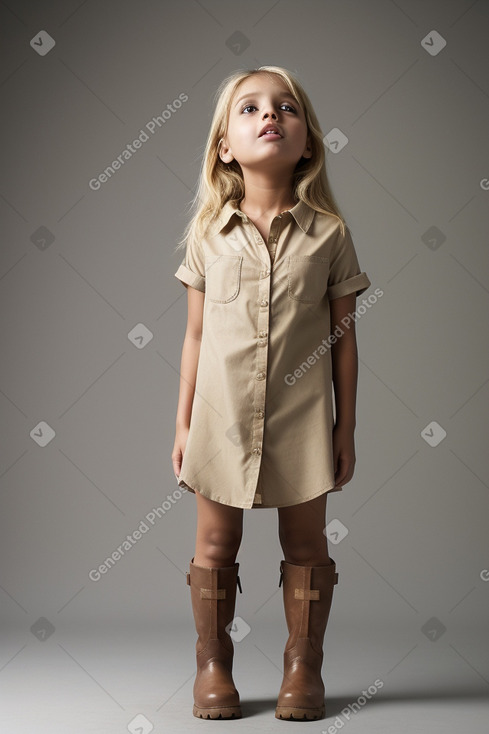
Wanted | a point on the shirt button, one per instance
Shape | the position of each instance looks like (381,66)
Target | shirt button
(256,451)
(262,333)
(264,302)
(260,376)
(260,414)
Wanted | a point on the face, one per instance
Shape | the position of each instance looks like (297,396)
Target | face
(258,101)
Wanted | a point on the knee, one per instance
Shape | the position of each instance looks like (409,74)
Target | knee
(222,545)
(304,550)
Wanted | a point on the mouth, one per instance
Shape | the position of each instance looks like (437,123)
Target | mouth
(270,131)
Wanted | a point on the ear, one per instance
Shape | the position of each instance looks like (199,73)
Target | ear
(307,152)
(224,151)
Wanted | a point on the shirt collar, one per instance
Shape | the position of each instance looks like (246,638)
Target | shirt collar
(302,213)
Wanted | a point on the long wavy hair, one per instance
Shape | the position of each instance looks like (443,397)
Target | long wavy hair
(220,182)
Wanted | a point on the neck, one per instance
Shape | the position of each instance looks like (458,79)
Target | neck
(264,197)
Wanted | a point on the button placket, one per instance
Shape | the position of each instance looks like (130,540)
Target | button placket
(260,377)
(273,236)
(262,331)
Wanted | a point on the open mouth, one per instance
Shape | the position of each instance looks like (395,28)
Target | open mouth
(270,131)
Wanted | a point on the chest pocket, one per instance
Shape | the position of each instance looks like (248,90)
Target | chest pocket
(222,277)
(308,277)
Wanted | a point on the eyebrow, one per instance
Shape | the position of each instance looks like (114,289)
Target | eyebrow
(259,94)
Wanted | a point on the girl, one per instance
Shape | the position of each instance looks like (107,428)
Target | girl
(271,276)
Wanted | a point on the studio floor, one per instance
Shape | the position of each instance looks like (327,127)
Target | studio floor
(114,678)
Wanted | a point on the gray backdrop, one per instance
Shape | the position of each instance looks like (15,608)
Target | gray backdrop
(92,322)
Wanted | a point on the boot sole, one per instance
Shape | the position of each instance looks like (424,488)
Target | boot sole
(291,713)
(219,712)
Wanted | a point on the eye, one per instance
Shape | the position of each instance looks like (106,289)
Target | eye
(284,104)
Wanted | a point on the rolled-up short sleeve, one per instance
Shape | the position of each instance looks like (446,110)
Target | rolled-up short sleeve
(191,271)
(345,275)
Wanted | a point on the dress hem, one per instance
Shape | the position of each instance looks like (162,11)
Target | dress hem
(257,506)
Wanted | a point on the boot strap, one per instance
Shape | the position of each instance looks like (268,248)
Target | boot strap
(217,597)
(209,593)
(306,594)
(213,593)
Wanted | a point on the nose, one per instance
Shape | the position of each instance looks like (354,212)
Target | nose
(272,114)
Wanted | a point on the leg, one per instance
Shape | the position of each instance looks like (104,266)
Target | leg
(212,577)
(219,532)
(308,575)
(301,532)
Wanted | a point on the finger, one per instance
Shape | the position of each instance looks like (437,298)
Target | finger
(176,467)
(341,472)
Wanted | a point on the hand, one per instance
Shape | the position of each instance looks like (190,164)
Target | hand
(343,454)
(181,437)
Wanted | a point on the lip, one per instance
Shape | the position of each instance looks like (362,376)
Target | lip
(271,127)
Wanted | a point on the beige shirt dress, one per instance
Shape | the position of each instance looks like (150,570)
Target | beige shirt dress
(262,416)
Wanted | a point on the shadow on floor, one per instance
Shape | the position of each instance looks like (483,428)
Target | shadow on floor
(335,705)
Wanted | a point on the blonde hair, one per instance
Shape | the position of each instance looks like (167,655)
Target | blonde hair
(220,182)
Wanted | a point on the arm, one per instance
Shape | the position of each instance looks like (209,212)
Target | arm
(344,358)
(188,373)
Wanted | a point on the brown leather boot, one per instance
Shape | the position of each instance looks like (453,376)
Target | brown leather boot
(213,592)
(308,592)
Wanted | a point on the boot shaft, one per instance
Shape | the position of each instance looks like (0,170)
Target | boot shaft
(213,593)
(308,594)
